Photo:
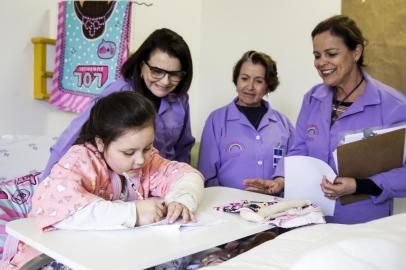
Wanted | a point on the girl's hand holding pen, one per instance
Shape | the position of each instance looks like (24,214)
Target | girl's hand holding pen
(149,211)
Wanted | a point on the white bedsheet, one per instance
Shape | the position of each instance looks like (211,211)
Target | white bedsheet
(379,244)
(21,154)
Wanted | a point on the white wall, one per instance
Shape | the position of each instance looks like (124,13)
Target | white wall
(217,31)
(279,28)
(19,112)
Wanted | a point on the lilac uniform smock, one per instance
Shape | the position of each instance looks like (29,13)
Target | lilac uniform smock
(379,106)
(173,137)
(232,150)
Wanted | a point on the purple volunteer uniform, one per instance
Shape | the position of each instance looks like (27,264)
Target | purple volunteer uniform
(232,149)
(379,106)
(173,137)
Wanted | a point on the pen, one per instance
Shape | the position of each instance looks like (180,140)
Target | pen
(140,197)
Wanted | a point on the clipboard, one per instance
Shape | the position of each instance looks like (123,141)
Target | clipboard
(367,157)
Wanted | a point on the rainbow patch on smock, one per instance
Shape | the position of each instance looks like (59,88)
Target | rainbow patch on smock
(235,147)
(311,131)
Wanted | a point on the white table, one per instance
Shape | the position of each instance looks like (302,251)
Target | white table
(140,248)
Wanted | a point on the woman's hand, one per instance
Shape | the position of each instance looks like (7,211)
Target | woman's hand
(149,211)
(176,210)
(340,187)
(265,186)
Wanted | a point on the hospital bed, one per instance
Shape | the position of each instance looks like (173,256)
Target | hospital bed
(379,244)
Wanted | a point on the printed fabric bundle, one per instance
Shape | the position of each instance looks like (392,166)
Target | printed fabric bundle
(91,45)
(277,211)
(15,203)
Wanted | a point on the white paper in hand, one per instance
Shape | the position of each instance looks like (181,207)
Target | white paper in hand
(303,177)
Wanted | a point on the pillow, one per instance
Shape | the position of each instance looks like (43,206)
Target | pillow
(355,253)
(15,200)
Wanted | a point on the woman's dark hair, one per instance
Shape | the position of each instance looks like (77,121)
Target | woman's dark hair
(114,114)
(271,73)
(345,28)
(168,42)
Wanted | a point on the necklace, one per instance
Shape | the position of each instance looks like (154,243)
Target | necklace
(92,24)
(337,104)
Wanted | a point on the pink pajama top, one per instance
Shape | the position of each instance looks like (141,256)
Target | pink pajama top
(80,178)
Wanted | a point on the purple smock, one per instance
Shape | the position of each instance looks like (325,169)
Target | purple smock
(232,150)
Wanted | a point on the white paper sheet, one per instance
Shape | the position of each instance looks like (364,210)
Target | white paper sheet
(303,177)
(353,137)
(203,220)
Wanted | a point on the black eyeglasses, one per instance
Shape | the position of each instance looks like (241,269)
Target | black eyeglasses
(159,73)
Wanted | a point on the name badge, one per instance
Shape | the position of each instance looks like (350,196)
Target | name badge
(277,154)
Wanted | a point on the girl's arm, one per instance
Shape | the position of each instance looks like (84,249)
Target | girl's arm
(76,185)
(174,181)
(101,215)
(188,190)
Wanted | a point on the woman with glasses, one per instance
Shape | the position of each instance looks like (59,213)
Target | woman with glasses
(161,70)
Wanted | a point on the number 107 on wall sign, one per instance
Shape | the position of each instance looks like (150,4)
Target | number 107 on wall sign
(86,75)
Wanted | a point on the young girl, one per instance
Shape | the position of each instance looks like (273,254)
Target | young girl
(105,180)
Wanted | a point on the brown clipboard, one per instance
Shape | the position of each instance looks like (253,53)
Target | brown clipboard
(367,157)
